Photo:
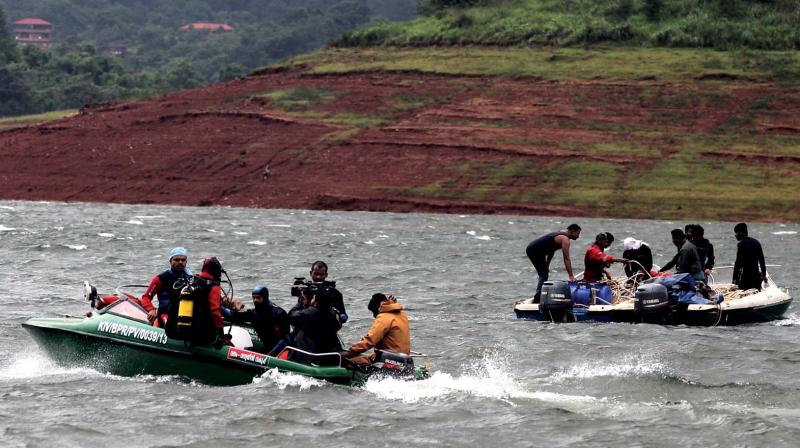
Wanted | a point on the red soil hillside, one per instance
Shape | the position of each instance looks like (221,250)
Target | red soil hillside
(406,142)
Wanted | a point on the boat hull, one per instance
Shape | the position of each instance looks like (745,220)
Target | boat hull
(126,348)
(768,305)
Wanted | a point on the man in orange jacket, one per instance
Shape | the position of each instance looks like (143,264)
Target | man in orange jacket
(389,330)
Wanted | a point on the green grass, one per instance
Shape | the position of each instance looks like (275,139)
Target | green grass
(721,24)
(611,63)
(301,98)
(30,120)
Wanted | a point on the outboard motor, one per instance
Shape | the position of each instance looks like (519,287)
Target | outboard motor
(393,364)
(555,297)
(652,301)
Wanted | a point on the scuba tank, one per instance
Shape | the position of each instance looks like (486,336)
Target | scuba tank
(185,312)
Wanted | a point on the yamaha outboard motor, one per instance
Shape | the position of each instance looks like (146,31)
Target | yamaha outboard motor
(393,364)
(652,302)
(556,302)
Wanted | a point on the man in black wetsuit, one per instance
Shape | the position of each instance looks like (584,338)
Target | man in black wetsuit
(749,258)
(541,250)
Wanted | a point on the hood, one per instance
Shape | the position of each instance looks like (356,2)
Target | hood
(390,308)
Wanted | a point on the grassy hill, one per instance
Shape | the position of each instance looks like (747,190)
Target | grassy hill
(720,24)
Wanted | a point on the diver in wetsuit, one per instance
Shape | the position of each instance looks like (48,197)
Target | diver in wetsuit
(541,250)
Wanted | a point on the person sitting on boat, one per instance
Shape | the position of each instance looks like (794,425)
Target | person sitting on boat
(205,323)
(389,331)
(319,274)
(687,260)
(749,258)
(638,251)
(704,248)
(596,261)
(162,286)
(269,320)
(541,250)
(315,325)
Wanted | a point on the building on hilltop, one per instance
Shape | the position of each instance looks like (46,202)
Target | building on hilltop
(205,26)
(33,31)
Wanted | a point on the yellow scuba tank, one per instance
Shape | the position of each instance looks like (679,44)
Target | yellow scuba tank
(185,312)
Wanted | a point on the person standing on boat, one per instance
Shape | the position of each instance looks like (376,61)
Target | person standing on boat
(541,250)
(161,286)
(704,249)
(596,261)
(687,259)
(749,258)
(269,320)
(319,274)
(389,331)
(315,324)
(638,251)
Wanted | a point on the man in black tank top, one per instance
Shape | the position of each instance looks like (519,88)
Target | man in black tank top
(541,250)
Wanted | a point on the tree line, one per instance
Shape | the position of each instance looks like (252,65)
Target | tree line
(160,57)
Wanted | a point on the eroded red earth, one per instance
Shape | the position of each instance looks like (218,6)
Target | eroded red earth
(228,145)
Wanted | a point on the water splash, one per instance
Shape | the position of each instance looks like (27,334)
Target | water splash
(285,379)
(257,243)
(633,365)
(788,321)
(35,365)
(489,378)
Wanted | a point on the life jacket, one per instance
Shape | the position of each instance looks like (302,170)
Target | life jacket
(202,330)
(168,294)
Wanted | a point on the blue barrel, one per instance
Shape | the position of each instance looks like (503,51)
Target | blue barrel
(582,293)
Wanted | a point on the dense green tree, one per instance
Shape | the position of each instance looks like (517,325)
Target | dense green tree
(8,47)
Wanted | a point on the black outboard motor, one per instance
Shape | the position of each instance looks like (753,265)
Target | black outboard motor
(392,364)
(652,302)
(555,297)
(556,301)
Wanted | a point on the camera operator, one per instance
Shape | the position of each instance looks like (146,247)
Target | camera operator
(318,273)
(315,324)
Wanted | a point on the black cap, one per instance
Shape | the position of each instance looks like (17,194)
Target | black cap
(213,267)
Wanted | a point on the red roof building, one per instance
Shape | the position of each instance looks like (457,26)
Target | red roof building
(205,26)
(35,32)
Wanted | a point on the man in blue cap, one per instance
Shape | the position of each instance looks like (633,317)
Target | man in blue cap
(162,286)
(270,321)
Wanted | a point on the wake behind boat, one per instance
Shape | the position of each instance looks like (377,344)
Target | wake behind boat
(625,300)
(119,339)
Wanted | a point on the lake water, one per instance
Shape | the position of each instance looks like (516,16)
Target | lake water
(497,381)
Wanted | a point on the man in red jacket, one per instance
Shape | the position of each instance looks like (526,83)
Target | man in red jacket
(596,261)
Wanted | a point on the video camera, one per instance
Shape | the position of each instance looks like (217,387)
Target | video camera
(310,288)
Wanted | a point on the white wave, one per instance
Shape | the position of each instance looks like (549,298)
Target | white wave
(150,217)
(631,365)
(211,230)
(286,379)
(277,225)
(240,233)
(483,237)
(370,242)
(488,379)
(383,236)
(76,246)
(6,229)
(134,222)
(785,232)
(471,232)
(106,235)
(33,365)
(788,321)
(7,207)
(257,243)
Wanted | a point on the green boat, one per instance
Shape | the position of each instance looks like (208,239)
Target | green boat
(118,339)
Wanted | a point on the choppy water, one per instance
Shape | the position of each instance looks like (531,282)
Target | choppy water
(497,381)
